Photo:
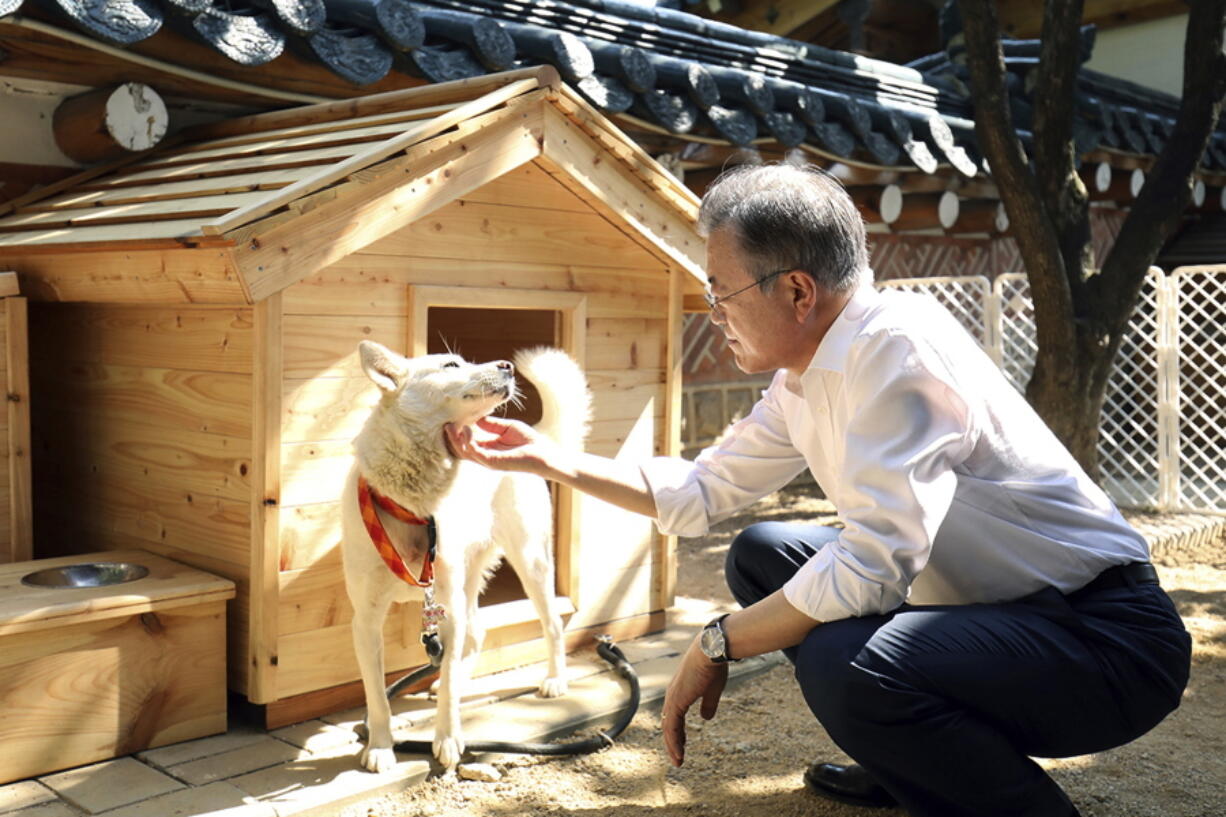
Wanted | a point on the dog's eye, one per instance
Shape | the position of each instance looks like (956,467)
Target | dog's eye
(451,364)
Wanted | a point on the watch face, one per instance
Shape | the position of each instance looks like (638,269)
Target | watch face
(712,641)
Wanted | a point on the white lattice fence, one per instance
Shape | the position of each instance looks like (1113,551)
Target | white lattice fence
(965,296)
(1199,394)
(1013,313)
(1135,421)
(1161,442)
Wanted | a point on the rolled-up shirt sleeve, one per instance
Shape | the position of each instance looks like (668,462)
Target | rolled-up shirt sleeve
(753,458)
(906,428)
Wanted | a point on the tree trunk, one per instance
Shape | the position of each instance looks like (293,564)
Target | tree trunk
(1068,387)
(1081,314)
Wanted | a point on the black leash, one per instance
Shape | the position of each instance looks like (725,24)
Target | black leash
(605,648)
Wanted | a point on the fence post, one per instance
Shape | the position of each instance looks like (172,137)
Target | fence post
(992,320)
(1168,390)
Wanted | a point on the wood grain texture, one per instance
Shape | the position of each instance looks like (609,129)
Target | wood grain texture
(18,509)
(196,339)
(135,275)
(97,688)
(266,500)
(179,399)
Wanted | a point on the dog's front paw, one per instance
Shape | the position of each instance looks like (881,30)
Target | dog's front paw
(448,751)
(378,759)
(552,688)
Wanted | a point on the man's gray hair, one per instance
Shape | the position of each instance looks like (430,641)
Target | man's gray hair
(790,216)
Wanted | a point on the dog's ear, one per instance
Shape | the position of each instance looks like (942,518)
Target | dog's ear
(382,365)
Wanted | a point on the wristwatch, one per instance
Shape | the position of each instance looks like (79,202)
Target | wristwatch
(714,641)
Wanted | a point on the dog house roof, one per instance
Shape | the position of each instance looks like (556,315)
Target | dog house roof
(259,202)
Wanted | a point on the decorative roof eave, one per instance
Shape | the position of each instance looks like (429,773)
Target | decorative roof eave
(678,79)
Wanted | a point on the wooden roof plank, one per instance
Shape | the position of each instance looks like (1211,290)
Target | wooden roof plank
(371,155)
(211,186)
(436,94)
(182,228)
(202,207)
(73,181)
(356,123)
(280,146)
(229,167)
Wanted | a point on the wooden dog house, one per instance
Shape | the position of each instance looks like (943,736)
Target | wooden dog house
(194,321)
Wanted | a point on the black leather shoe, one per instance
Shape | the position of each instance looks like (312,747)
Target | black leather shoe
(847,784)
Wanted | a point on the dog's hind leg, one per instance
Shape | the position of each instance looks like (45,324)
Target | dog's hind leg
(475,635)
(368,616)
(535,571)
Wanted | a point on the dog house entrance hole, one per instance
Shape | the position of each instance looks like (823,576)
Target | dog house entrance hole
(480,335)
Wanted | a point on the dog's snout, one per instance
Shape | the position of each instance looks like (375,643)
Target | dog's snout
(506,366)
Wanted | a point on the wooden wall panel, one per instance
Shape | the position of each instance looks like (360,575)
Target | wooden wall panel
(612,595)
(313,599)
(142,438)
(626,343)
(318,659)
(326,345)
(487,233)
(196,276)
(198,339)
(310,534)
(215,403)
(328,408)
(128,452)
(314,472)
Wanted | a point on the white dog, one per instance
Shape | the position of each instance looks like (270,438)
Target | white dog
(479,514)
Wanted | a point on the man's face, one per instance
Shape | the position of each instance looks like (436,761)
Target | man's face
(758,326)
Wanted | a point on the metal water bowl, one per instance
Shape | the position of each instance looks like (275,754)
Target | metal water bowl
(89,574)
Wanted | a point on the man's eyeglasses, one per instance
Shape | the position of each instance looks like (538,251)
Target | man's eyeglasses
(713,302)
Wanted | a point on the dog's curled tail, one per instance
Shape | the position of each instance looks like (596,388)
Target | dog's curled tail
(566,403)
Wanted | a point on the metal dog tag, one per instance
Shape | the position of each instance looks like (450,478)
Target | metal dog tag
(432,614)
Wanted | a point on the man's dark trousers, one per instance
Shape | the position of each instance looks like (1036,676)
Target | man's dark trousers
(945,705)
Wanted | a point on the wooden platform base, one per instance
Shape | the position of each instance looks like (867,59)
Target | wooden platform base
(346,696)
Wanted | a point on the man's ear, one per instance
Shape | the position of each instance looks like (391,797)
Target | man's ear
(382,365)
(804,294)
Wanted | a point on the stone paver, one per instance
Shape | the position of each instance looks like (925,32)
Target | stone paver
(323,784)
(259,754)
(110,784)
(56,808)
(213,800)
(236,737)
(316,736)
(23,794)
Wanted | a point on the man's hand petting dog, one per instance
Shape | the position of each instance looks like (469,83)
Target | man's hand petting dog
(502,444)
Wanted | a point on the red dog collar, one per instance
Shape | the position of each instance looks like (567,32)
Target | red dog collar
(367,499)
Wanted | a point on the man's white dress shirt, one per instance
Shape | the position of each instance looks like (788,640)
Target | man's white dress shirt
(950,488)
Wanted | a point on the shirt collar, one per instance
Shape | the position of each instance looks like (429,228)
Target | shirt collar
(831,353)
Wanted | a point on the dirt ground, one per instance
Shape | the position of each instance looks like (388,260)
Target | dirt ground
(749,759)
